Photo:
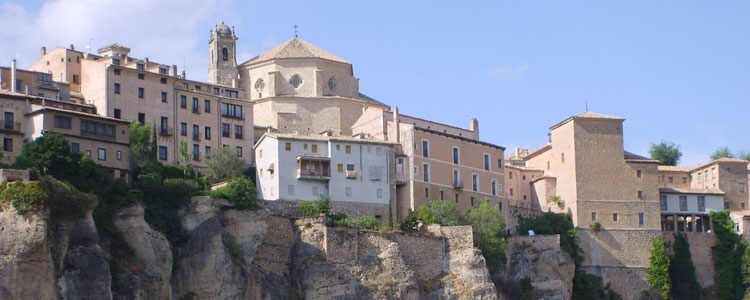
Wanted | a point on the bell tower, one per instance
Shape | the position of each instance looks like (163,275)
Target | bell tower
(222,67)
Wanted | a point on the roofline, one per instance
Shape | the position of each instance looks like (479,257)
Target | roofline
(438,123)
(322,138)
(571,118)
(459,138)
(249,62)
(291,97)
(536,152)
(78,113)
(676,191)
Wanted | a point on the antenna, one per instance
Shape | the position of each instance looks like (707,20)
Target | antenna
(295,30)
(88,47)
(586,102)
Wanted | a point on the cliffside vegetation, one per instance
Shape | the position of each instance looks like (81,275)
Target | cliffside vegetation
(731,259)
(682,271)
(657,273)
(585,286)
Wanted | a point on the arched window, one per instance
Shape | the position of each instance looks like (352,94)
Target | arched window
(224,54)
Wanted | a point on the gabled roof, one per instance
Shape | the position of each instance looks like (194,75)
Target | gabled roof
(295,48)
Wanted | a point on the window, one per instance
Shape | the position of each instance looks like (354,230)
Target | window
(75,147)
(164,128)
(671,179)
(8,144)
(350,167)
(225,130)
(75,78)
(196,152)
(472,201)
(641,219)
(638,174)
(141,91)
(304,146)
(314,148)
(713,173)
(663,200)
(700,177)
(195,105)
(348,149)
(348,191)
(102,154)
(196,132)
(164,97)
(183,101)
(500,206)
(475,182)
(183,129)
(338,147)
(341,168)
(197,87)
(119,155)
(295,81)
(487,162)
(141,76)
(207,133)
(239,151)
(216,91)
(499,163)
(510,175)
(426,172)
(117,88)
(456,155)
(230,93)
(207,105)
(742,187)
(456,198)
(163,80)
(425,148)
(494,187)
(511,191)
(288,147)
(162,152)
(640,195)
(116,62)
(88,153)
(684,179)
(315,191)
(426,192)
(224,54)
(142,118)
(614,217)
(702,203)
(442,195)
(96,128)
(163,71)
(593,216)
(523,177)
(562,157)
(290,190)
(117,71)
(260,153)
(683,203)
(62,122)
(378,151)
(231,110)
(238,131)
(117,113)
(139,66)
(456,178)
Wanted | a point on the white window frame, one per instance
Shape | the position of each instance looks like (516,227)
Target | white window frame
(494,187)
(426,142)
(456,155)
(426,174)
(487,162)
(477,182)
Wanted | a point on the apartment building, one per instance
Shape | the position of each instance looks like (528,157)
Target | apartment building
(438,161)
(204,115)
(26,117)
(356,172)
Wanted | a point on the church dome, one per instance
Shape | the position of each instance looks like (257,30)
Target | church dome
(223,30)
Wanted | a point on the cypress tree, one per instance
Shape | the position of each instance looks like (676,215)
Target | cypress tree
(657,273)
(682,271)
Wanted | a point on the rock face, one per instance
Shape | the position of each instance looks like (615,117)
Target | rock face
(231,254)
(540,259)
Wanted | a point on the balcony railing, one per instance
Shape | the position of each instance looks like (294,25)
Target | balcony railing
(166,131)
(315,168)
(196,137)
(11,126)
(458,184)
(313,174)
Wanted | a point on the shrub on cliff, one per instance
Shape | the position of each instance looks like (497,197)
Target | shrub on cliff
(682,271)
(240,191)
(315,208)
(657,272)
(728,258)
(443,212)
(410,222)
(366,222)
(24,197)
(488,226)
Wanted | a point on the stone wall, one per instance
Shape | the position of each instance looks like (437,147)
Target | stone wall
(700,251)
(515,213)
(289,209)
(629,282)
(540,259)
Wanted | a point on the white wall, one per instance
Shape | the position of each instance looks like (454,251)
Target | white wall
(268,186)
(713,203)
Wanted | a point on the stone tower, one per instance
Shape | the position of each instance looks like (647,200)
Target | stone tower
(222,67)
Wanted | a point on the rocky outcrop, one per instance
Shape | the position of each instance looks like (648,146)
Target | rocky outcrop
(232,254)
(539,260)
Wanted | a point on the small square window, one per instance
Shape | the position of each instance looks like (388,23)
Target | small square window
(102,154)
(288,146)
(141,76)
(348,149)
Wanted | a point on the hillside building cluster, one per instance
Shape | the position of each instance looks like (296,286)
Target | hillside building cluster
(297,115)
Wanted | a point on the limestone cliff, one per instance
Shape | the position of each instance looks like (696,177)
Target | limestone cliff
(230,254)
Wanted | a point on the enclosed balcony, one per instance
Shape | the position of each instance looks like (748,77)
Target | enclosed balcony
(313,168)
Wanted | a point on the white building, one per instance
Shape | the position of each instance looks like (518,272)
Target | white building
(355,172)
(687,209)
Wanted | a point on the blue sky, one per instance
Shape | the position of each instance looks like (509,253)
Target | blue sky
(676,70)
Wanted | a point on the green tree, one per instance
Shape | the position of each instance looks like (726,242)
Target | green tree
(722,152)
(488,226)
(223,163)
(184,157)
(745,155)
(727,254)
(154,145)
(140,146)
(410,222)
(443,212)
(240,191)
(682,271)
(48,154)
(745,269)
(667,153)
(657,272)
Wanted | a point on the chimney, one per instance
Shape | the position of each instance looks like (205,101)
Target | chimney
(183,74)
(396,124)
(44,51)
(146,59)
(13,86)
(474,126)
(174,70)
(72,47)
